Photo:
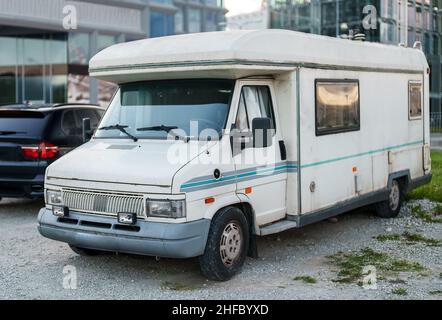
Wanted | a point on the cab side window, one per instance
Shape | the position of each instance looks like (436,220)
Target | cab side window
(242,120)
(255,102)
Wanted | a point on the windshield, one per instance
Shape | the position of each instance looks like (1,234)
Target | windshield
(196,109)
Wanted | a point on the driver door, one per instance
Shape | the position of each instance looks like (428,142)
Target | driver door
(261,173)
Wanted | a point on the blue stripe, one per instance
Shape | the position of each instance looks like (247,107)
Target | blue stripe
(260,172)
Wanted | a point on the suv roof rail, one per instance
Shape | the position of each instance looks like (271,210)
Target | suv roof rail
(59,105)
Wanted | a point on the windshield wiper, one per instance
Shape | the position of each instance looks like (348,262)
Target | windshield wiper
(158,128)
(168,129)
(121,129)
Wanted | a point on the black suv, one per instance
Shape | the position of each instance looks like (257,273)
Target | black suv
(34,136)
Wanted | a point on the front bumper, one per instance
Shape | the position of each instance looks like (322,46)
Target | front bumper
(167,240)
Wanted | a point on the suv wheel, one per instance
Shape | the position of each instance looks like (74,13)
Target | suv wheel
(227,245)
(391,207)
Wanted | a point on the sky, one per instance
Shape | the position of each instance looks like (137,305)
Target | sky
(242,6)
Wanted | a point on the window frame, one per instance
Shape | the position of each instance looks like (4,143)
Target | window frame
(410,83)
(325,132)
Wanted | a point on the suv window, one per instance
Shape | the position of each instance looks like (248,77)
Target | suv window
(91,114)
(65,130)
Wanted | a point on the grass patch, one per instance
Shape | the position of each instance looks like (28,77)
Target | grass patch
(435,293)
(305,279)
(400,292)
(177,286)
(409,238)
(430,217)
(351,265)
(432,191)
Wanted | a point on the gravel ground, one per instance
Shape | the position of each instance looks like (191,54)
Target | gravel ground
(31,267)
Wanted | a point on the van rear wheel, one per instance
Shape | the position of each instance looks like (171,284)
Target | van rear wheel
(227,245)
(85,252)
(390,208)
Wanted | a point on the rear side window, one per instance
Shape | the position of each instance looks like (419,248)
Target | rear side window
(337,106)
(415,100)
(91,114)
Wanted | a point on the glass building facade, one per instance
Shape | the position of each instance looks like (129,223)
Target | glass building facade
(40,61)
(398,21)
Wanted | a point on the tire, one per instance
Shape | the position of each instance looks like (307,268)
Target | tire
(390,208)
(85,252)
(227,245)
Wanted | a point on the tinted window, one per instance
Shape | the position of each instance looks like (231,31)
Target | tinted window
(337,106)
(65,131)
(22,123)
(415,103)
(88,113)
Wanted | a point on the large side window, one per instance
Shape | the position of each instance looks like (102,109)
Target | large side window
(337,106)
(255,102)
(415,100)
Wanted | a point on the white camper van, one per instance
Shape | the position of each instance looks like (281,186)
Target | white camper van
(214,139)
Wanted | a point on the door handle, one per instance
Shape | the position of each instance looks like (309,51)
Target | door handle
(283,150)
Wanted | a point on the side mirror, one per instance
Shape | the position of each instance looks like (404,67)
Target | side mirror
(262,132)
(86,130)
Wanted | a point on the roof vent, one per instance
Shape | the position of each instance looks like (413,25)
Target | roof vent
(417,45)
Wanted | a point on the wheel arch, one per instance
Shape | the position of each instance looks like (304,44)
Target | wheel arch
(404,177)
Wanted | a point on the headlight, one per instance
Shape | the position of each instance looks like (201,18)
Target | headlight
(54,197)
(166,208)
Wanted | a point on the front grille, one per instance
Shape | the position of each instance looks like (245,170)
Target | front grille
(103,203)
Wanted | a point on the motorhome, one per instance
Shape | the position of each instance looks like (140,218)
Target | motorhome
(215,139)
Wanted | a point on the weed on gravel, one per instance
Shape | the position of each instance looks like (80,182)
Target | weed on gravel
(430,217)
(305,279)
(400,292)
(351,265)
(177,286)
(409,238)
(435,293)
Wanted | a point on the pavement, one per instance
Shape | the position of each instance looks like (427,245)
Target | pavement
(33,267)
(436,141)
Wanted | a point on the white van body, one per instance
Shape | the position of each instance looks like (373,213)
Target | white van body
(321,166)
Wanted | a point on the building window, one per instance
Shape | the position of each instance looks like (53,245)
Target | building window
(79,48)
(194,20)
(415,100)
(337,106)
(179,20)
(161,24)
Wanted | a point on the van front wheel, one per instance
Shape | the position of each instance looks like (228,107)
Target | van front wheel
(391,207)
(227,245)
